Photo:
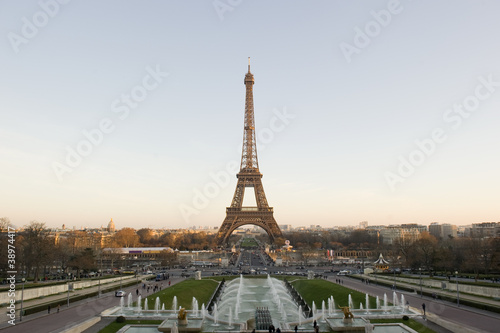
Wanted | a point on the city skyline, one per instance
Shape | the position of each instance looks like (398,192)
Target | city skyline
(378,111)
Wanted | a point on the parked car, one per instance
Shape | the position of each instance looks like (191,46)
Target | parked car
(119,293)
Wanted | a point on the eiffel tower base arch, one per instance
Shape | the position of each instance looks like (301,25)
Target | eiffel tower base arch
(236,218)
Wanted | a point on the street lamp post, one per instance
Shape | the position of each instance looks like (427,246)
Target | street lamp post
(394,271)
(100,273)
(99,286)
(22,298)
(68,294)
(420,271)
(458,291)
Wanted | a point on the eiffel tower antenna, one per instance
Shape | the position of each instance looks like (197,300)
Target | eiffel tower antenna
(249,176)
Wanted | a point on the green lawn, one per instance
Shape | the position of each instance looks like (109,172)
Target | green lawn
(249,242)
(410,323)
(114,326)
(185,291)
(320,290)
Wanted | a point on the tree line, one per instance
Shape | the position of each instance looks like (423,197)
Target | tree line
(38,250)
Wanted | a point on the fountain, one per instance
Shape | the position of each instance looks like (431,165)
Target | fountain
(129,301)
(216,316)
(122,304)
(174,304)
(157,305)
(235,309)
(300,315)
(230,319)
(194,307)
(139,299)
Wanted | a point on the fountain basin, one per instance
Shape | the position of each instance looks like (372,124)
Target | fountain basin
(193,325)
(347,325)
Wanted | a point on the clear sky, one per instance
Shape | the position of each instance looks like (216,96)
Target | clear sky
(378,111)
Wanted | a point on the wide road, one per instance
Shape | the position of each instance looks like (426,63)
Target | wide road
(69,317)
(478,319)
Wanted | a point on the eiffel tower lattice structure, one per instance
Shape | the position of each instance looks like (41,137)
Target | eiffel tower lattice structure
(249,176)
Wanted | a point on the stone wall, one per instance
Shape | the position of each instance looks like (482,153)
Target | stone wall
(449,286)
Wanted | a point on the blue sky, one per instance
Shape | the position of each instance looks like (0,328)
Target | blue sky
(343,91)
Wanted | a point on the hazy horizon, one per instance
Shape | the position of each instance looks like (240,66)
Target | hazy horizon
(378,111)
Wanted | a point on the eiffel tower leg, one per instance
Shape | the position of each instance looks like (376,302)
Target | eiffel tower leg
(225,229)
(273,229)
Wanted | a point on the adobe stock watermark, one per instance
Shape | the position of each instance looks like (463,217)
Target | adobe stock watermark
(220,180)
(453,117)
(121,106)
(223,6)
(364,36)
(32,26)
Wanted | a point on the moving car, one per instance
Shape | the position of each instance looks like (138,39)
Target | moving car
(119,293)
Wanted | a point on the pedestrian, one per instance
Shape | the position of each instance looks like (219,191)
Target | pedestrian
(296,328)
(423,308)
(58,307)
(169,283)
(137,292)
(315,324)
(278,330)
(48,309)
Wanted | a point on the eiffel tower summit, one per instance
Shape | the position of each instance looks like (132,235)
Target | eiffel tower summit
(249,177)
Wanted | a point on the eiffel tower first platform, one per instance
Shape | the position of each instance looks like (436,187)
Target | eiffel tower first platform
(249,176)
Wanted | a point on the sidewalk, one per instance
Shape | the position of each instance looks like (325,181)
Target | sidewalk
(438,292)
(61,298)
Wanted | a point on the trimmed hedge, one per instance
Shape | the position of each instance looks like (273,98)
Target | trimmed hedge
(386,284)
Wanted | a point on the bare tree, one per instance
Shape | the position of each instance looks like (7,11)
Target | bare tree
(36,247)
(4,224)
(426,247)
(126,237)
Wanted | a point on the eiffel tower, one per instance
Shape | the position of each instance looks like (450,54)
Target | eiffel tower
(249,176)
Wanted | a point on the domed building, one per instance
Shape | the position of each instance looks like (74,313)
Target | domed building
(111,226)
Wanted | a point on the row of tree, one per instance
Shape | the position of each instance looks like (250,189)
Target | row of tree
(38,250)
